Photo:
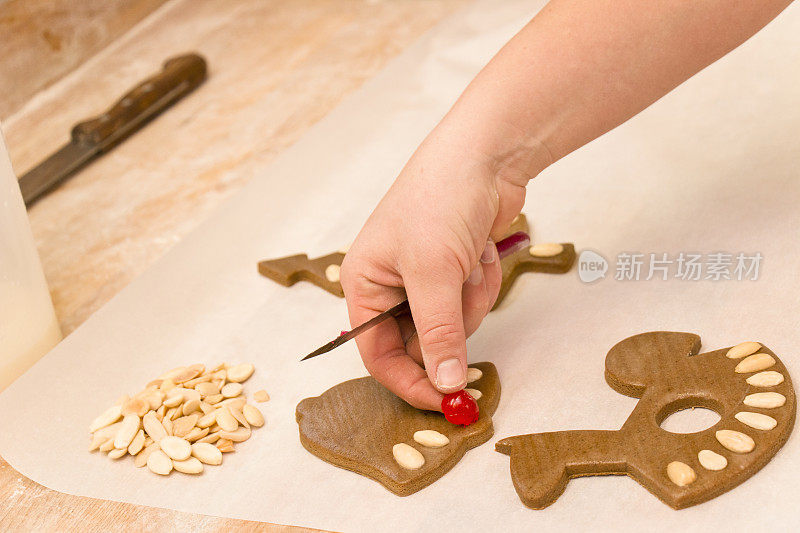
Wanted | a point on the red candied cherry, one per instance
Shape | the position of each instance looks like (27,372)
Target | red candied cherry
(460,408)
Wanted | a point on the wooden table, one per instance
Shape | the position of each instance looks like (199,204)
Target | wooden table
(275,68)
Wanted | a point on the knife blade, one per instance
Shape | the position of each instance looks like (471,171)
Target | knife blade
(511,244)
(179,76)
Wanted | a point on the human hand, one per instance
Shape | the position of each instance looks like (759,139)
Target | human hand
(429,239)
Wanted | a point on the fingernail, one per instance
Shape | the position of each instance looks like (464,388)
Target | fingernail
(488,252)
(476,276)
(450,374)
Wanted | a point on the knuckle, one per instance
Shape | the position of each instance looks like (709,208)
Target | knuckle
(440,331)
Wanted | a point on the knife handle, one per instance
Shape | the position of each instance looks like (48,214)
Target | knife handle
(180,75)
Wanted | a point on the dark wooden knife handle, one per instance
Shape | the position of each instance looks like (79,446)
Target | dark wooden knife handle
(179,76)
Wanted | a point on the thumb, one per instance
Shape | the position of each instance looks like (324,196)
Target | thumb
(435,300)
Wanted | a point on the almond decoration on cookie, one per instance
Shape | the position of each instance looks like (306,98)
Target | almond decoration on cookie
(546,249)
(400,446)
(325,271)
(181,421)
(667,373)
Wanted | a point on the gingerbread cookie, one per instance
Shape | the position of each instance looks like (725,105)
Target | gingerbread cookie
(324,271)
(747,385)
(360,426)
(550,258)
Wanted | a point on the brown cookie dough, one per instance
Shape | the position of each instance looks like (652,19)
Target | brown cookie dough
(356,424)
(289,270)
(665,372)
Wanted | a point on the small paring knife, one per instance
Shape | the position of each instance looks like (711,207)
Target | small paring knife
(180,76)
(511,244)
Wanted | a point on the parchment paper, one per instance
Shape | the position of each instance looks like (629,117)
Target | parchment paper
(712,167)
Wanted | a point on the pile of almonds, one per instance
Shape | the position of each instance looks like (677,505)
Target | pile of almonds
(184,419)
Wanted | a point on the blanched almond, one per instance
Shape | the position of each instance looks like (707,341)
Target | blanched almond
(213,399)
(130,426)
(253,415)
(756,420)
(680,473)
(153,398)
(332,273)
(109,416)
(261,396)
(210,438)
(192,383)
(97,441)
(224,445)
(226,420)
(116,453)
(765,400)
(711,460)
(190,407)
(176,448)
(141,458)
(188,466)
(206,389)
(189,372)
(546,249)
(240,435)
(239,416)
(196,434)
(108,432)
(137,406)
(107,446)
(159,463)
(184,424)
(206,408)
(742,349)
(153,427)
(754,363)
(233,403)
(207,453)
(231,390)
(473,374)
(166,385)
(431,438)
(475,393)
(735,441)
(240,373)
(407,457)
(768,378)
(174,399)
(208,420)
(137,443)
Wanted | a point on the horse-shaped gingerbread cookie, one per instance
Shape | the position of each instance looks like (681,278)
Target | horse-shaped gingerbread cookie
(747,385)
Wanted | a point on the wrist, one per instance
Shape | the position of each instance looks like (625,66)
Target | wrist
(508,152)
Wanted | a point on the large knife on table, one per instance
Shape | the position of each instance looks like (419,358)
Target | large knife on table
(180,76)
(511,244)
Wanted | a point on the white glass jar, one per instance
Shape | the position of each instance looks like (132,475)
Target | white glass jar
(28,325)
